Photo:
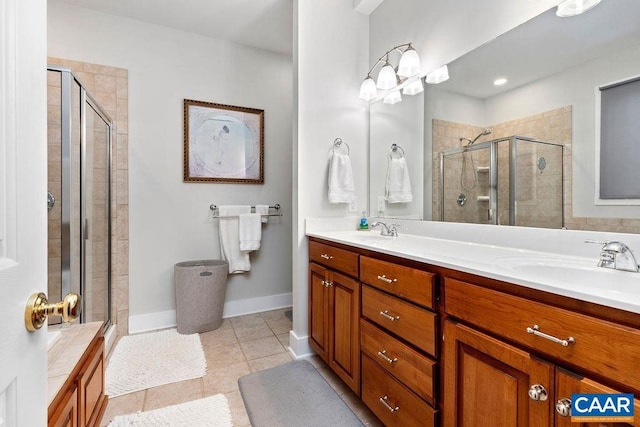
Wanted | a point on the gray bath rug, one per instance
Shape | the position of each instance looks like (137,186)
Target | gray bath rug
(293,395)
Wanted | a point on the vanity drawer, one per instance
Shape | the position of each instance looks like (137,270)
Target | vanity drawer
(413,369)
(405,282)
(383,394)
(412,323)
(336,258)
(604,348)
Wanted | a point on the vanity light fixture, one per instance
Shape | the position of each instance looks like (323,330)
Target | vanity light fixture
(389,78)
(438,76)
(413,88)
(500,81)
(392,98)
(569,8)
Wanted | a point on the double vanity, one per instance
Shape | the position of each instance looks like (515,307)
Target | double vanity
(456,324)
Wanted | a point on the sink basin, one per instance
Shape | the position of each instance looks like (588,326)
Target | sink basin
(574,273)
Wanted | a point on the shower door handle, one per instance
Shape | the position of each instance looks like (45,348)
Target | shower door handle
(85,231)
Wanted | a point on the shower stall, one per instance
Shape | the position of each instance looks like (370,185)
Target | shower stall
(79,181)
(513,180)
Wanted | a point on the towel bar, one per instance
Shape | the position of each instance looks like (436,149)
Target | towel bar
(276,207)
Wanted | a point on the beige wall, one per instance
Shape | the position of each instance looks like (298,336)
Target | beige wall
(109,87)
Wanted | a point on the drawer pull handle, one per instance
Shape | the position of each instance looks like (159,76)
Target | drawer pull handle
(563,407)
(326,256)
(388,316)
(327,283)
(535,330)
(384,278)
(383,355)
(391,408)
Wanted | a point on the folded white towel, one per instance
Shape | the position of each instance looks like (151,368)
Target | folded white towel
(264,211)
(250,232)
(398,186)
(341,188)
(230,238)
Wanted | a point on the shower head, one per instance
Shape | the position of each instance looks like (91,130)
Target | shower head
(471,141)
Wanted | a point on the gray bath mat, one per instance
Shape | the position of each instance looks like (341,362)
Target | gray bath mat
(293,395)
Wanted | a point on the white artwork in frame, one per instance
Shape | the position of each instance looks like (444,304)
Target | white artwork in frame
(223,143)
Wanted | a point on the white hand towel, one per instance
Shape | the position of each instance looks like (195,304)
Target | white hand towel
(264,211)
(341,188)
(230,238)
(250,232)
(398,186)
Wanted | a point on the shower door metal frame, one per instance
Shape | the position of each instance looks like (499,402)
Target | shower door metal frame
(67,79)
(493,177)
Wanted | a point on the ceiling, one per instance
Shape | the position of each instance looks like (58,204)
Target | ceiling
(543,46)
(263,24)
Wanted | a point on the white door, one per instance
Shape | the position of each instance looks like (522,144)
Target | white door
(23,220)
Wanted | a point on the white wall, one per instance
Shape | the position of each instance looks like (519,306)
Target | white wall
(330,61)
(170,221)
(400,124)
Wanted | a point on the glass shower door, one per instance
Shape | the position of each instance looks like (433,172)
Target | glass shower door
(465,185)
(96,223)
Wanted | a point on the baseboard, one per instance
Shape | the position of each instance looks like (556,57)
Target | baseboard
(167,319)
(299,346)
(257,305)
(152,321)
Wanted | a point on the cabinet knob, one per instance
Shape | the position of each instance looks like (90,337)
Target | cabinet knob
(327,283)
(326,256)
(538,392)
(563,407)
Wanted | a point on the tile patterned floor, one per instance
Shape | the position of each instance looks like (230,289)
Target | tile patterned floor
(240,346)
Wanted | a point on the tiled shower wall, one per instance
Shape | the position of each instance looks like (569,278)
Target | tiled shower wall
(109,87)
(553,126)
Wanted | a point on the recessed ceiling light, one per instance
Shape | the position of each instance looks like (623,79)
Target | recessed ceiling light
(570,8)
(500,81)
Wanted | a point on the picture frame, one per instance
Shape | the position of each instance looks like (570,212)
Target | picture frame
(223,143)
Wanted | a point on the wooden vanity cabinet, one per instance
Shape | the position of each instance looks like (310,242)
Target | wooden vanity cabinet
(334,310)
(81,402)
(399,343)
(486,382)
(567,383)
(512,352)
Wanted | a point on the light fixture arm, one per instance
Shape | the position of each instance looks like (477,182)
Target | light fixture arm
(385,58)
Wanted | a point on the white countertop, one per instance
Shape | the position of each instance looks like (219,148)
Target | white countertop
(556,261)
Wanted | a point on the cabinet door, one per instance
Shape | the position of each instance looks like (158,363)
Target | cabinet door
(568,383)
(344,348)
(487,382)
(66,414)
(319,311)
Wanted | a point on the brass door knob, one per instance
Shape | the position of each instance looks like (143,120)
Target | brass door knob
(38,308)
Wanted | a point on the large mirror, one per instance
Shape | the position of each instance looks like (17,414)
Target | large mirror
(553,68)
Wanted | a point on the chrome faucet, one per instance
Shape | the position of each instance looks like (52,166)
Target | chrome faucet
(616,255)
(386,230)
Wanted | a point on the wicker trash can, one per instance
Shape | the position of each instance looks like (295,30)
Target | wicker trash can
(200,290)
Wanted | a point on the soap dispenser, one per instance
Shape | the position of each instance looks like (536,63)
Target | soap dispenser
(363,222)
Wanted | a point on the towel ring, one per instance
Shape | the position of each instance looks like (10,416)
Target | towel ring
(338,143)
(394,149)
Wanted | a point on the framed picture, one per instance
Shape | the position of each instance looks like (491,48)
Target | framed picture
(223,143)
